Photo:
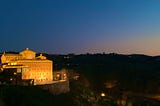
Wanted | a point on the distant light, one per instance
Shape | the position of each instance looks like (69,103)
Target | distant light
(103,94)
(64,76)
(66,57)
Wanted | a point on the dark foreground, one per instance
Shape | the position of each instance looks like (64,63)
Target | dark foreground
(127,80)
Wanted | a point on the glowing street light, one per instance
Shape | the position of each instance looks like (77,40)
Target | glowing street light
(103,94)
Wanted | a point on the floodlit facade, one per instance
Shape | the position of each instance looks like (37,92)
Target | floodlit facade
(38,68)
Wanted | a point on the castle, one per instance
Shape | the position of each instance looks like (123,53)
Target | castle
(29,66)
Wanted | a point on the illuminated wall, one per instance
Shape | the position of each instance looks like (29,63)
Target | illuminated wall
(7,57)
(39,70)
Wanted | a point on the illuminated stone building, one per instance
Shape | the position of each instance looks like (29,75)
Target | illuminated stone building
(37,68)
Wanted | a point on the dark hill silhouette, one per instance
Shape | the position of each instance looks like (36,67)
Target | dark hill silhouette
(136,72)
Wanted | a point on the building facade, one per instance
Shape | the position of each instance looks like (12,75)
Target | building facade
(39,68)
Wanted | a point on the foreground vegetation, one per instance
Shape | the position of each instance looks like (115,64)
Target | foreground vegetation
(80,95)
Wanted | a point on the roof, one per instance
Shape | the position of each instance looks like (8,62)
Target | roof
(11,54)
(27,50)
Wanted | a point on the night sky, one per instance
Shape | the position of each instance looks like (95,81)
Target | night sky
(81,26)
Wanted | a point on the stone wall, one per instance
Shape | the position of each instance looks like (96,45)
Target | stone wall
(57,87)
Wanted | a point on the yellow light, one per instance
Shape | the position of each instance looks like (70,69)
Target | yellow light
(58,75)
(103,94)
(13,63)
(64,76)
(15,73)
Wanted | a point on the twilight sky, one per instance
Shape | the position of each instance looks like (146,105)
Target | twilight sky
(81,26)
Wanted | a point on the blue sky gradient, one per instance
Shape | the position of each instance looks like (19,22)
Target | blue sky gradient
(81,26)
